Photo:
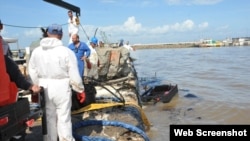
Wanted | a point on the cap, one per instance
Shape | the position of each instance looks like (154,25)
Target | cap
(55,29)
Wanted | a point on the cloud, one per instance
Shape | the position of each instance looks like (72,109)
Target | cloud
(186,25)
(131,25)
(134,31)
(203,25)
(160,29)
(179,27)
(130,29)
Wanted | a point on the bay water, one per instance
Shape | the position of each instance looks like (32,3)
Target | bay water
(218,78)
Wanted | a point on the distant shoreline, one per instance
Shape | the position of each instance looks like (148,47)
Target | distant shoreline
(162,46)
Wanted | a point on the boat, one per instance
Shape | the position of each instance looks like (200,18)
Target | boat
(163,93)
(210,43)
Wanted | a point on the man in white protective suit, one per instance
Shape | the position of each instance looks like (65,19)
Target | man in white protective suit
(54,67)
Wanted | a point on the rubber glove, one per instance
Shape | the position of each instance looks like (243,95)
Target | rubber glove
(81,97)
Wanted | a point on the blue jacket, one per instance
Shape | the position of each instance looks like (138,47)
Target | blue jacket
(82,50)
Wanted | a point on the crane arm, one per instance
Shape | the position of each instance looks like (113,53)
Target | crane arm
(66,5)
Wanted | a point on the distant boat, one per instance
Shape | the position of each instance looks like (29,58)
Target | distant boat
(210,43)
(244,41)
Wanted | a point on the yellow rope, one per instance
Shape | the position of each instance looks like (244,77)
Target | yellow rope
(96,106)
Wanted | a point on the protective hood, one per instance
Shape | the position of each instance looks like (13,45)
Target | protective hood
(48,43)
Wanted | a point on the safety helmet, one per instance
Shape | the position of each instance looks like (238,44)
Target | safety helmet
(94,40)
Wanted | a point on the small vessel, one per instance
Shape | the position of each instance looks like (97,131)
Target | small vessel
(163,93)
(210,43)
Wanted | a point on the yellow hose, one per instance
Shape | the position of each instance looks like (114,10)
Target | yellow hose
(96,106)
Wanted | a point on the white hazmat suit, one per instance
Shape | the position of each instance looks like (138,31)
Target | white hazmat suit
(54,67)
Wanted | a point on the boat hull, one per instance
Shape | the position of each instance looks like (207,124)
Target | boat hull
(163,93)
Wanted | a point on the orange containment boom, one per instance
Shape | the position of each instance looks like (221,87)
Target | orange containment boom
(8,89)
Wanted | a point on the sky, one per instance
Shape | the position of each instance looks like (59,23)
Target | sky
(136,21)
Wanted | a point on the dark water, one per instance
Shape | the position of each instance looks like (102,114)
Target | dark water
(218,77)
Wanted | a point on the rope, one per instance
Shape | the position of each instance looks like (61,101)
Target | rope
(18,26)
(107,123)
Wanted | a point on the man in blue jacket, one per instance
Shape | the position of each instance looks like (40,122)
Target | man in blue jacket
(81,51)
